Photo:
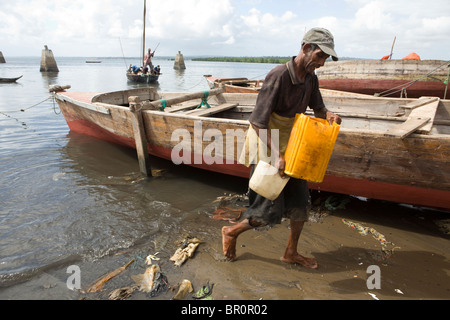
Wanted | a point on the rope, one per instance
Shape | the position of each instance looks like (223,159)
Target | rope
(163,104)
(403,87)
(24,109)
(204,100)
(201,80)
(446,82)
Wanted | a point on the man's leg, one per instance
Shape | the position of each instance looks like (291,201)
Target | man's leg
(291,255)
(229,237)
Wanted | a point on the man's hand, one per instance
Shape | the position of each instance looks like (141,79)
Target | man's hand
(332,117)
(280,164)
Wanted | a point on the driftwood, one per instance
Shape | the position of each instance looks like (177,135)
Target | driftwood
(99,283)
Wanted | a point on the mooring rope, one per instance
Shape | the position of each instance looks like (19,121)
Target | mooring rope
(24,109)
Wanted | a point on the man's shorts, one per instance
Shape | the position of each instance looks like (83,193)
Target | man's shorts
(293,203)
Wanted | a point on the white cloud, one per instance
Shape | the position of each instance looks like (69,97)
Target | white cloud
(362,28)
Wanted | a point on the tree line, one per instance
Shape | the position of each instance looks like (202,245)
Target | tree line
(275,60)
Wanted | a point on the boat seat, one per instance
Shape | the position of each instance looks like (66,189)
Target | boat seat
(212,110)
(420,120)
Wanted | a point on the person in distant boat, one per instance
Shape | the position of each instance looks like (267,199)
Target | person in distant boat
(157,69)
(148,59)
(287,90)
(135,69)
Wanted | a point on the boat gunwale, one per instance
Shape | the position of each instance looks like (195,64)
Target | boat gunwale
(102,107)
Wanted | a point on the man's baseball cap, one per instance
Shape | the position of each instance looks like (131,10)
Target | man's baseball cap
(323,38)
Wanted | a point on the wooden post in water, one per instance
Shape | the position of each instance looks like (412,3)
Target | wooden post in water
(139,135)
(48,63)
(2,59)
(179,62)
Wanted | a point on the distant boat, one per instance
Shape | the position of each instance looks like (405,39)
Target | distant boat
(93,61)
(9,80)
(138,75)
(388,78)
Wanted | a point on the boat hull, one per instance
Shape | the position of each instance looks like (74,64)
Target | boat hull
(413,171)
(9,80)
(142,78)
(391,78)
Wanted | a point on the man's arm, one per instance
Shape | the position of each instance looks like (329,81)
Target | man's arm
(323,113)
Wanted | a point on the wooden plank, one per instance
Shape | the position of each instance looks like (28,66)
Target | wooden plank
(420,102)
(426,111)
(213,110)
(406,128)
(139,135)
(420,119)
(183,107)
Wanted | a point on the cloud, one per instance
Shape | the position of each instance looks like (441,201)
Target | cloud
(417,26)
(362,28)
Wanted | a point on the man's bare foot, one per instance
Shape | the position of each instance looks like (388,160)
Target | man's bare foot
(297,258)
(228,243)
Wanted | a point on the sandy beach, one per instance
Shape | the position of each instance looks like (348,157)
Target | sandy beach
(414,263)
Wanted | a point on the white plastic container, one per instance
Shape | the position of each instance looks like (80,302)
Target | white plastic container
(266,181)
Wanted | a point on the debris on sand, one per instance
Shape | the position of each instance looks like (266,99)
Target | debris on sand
(186,251)
(146,280)
(183,290)
(152,281)
(99,283)
(204,293)
(228,214)
(150,258)
(122,293)
(378,236)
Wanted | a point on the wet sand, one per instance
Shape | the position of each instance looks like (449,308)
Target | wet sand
(418,268)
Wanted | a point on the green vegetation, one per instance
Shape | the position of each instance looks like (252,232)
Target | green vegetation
(275,60)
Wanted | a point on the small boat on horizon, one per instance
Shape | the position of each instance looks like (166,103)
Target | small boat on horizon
(10,80)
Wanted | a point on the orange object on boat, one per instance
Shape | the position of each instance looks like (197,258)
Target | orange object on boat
(309,148)
(412,56)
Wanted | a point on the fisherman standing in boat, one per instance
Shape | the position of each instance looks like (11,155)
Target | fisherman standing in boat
(288,89)
(148,59)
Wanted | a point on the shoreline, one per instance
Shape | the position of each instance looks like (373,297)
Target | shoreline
(417,269)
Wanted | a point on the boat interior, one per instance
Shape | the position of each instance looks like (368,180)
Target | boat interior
(426,115)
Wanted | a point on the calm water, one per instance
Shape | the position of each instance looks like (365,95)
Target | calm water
(65,197)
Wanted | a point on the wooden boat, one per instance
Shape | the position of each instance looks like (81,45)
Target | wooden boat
(388,148)
(9,80)
(243,85)
(142,77)
(390,78)
(234,85)
(149,77)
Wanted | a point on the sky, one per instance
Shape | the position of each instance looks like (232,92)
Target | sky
(112,28)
